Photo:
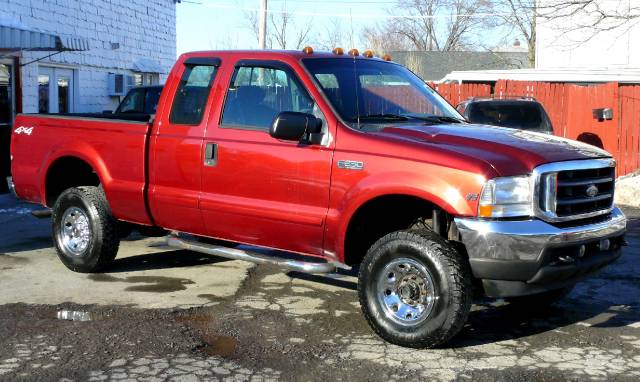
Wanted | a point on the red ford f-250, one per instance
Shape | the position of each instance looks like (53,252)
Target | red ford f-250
(342,159)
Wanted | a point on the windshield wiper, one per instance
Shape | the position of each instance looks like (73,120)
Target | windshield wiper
(383,117)
(435,118)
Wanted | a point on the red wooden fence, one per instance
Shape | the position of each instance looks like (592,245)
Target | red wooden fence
(570,108)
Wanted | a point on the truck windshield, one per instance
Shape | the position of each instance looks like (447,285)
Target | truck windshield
(367,91)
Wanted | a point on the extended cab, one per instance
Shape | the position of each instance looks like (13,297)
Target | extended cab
(342,160)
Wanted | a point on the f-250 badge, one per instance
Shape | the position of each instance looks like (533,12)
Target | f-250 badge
(350,164)
(23,130)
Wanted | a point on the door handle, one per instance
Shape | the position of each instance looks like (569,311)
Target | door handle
(211,154)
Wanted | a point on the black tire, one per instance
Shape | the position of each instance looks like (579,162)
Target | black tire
(451,281)
(540,300)
(102,246)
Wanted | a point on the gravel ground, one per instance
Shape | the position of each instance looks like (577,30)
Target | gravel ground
(168,315)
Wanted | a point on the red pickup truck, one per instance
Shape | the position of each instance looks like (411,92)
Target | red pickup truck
(339,160)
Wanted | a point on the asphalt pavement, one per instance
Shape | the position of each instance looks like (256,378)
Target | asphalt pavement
(160,314)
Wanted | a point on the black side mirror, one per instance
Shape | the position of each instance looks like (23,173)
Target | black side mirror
(294,126)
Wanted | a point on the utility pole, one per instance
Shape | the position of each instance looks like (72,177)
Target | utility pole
(262,25)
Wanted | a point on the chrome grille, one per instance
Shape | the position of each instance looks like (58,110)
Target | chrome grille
(584,191)
(574,189)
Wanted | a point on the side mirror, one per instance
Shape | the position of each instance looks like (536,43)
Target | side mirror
(293,126)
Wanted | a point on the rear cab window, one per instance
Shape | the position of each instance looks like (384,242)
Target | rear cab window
(193,91)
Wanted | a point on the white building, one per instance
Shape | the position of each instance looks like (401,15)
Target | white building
(66,56)
(563,43)
(67,48)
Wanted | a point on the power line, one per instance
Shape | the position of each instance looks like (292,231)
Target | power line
(358,16)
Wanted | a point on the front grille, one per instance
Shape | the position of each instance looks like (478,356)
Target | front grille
(573,195)
(568,191)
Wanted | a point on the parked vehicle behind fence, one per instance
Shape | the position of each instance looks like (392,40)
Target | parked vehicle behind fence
(140,100)
(517,113)
(339,161)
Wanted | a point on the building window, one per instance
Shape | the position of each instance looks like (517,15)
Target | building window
(43,93)
(55,90)
(146,79)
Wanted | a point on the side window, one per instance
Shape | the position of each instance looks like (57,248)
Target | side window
(191,97)
(257,95)
(133,102)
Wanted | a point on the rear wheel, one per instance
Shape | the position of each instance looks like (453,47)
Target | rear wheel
(85,233)
(415,289)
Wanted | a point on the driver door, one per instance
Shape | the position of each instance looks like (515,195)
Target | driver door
(257,189)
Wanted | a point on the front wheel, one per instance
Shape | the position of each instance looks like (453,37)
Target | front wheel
(85,233)
(415,289)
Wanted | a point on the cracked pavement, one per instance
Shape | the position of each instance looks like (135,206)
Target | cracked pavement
(160,314)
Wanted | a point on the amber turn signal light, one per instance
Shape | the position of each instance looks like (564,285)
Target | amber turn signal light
(485,211)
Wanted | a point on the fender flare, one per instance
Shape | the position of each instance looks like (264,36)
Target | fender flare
(80,150)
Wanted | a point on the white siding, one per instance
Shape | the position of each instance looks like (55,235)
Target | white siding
(143,29)
(560,45)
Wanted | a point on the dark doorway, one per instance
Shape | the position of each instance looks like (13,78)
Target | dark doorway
(6,121)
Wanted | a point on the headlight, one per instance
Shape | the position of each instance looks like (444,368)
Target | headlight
(506,197)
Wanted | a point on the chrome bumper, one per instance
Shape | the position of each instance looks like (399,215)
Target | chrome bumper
(527,239)
(12,187)
(515,258)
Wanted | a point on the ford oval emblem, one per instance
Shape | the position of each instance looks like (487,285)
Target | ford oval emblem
(592,191)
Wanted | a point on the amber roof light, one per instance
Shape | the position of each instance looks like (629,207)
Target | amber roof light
(386,57)
(338,51)
(307,50)
(354,52)
(368,54)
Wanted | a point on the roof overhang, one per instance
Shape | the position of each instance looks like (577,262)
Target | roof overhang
(16,37)
(145,65)
(574,75)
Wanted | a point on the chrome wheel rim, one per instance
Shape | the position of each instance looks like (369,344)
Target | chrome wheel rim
(406,292)
(75,231)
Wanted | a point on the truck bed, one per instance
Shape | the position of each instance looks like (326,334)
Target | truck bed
(114,145)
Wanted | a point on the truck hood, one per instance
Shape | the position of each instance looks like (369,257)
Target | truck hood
(507,151)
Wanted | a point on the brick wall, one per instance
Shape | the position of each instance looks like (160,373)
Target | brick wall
(142,28)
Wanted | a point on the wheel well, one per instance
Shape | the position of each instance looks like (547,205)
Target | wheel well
(384,215)
(65,173)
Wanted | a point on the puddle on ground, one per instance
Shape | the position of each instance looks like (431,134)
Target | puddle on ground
(8,259)
(210,297)
(221,346)
(157,284)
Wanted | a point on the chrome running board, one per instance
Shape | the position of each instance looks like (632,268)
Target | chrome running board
(174,241)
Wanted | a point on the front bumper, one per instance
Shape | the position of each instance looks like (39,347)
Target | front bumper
(521,257)
(11,186)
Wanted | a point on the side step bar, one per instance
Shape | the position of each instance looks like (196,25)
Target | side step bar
(175,241)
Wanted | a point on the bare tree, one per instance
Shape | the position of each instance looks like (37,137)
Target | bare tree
(333,36)
(591,16)
(283,28)
(381,38)
(516,17)
(251,21)
(436,24)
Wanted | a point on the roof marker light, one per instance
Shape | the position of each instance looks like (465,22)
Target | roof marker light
(368,54)
(354,52)
(338,51)
(386,57)
(307,50)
